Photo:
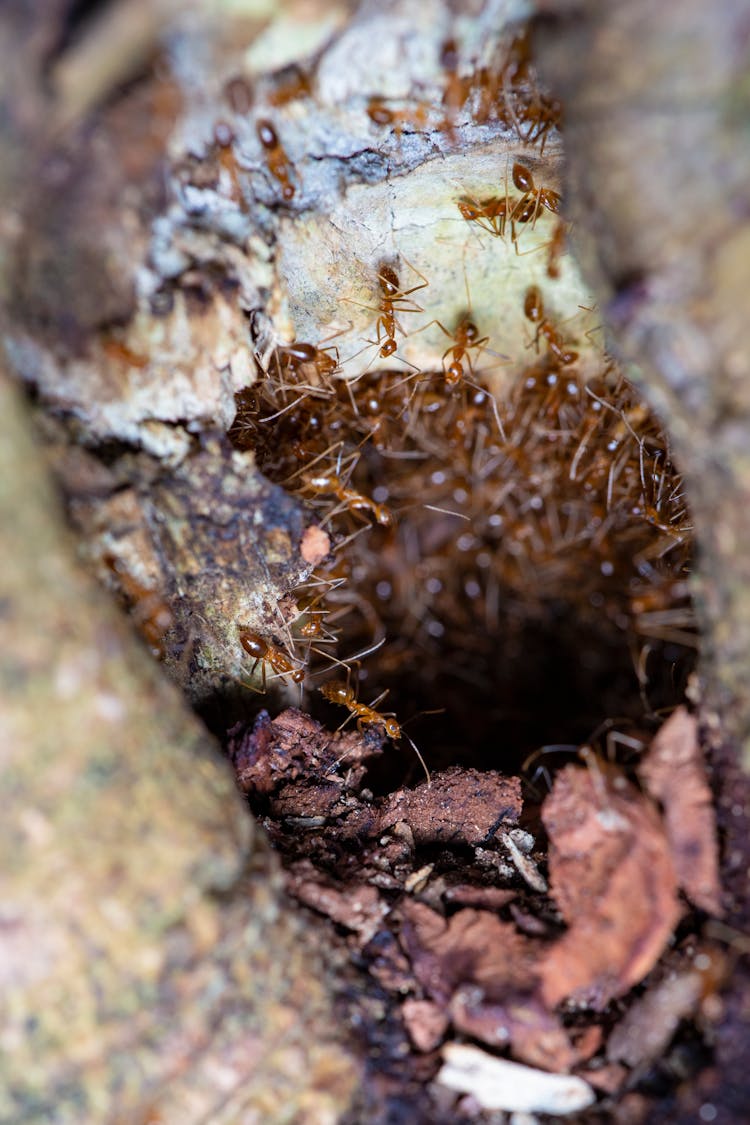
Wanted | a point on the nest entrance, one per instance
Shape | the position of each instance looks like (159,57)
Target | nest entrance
(520,566)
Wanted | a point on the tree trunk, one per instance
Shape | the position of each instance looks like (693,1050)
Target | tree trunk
(159,245)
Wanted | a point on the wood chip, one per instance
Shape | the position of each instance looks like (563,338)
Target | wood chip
(673,771)
(498,1084)
(648,1027)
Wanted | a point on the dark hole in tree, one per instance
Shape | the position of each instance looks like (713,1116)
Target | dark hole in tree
(530,579)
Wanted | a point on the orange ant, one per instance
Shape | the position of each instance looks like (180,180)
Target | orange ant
(224,138)
(295,355)
(239,95)
(290,84)
(533,308)
(393,299)
(331,483)
(380,114)
(465,337)
(341,692)
(490,214)
(264,653)
(540,197)
(278,162)
(556,247)
(352,500)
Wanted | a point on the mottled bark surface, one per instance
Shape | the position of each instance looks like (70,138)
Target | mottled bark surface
(149,963)
(658,170)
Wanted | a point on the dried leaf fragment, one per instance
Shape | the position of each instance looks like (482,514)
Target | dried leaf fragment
(674,773)
(472,947)
(613,877)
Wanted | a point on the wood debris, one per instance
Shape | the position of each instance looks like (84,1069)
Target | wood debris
(674,773)
(499,1084)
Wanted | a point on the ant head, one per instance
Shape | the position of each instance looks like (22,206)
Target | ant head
(388,348)
(454,374)
(469,210)
(533,305)
(304,353)
(469,331)
(253,644)
(392,728)
(266,134)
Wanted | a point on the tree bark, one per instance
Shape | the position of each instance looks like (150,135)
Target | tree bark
(152,966)
(658,166)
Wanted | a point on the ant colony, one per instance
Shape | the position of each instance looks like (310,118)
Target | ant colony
(518,560)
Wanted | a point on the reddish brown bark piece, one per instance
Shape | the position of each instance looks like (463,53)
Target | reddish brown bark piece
(314,545)
(613,877)
(426,1023)
(357,907)
(674,773)
(294,748)
(484,898)
(459,806)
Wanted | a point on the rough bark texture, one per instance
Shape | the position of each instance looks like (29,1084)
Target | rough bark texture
(149,962)
(658,170)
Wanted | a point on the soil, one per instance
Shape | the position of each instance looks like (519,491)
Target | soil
(568,933)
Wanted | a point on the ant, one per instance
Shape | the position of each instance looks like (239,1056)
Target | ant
(264,653)
(330,482)
(533,308)
(490,214)
(540,197)
(352,500)
(380,114)
(341,692)
(465,337)
(295,355)
(393,300)
(290,84)
(278,162)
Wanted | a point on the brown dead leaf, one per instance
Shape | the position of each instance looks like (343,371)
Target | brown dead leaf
(482,971)
(520,1021)
(613,877)
(674,773)
(472,947)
